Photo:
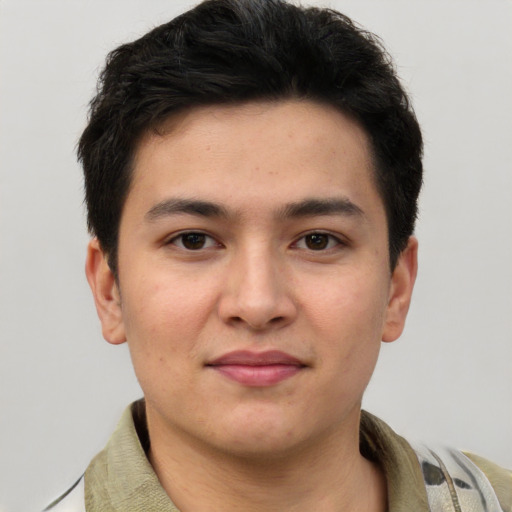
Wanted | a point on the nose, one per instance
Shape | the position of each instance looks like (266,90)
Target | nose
(257,292)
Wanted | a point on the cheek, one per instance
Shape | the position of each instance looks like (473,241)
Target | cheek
(348,320)
(160,335)
(349,305)
(162,307)
(162,325)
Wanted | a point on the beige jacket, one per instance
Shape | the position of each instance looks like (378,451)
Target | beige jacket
(121,479)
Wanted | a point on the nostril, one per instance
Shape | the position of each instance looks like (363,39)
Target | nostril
(255,324)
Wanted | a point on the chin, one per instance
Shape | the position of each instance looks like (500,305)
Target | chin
(263,437)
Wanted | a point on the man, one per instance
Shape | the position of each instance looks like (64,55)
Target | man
(252,171)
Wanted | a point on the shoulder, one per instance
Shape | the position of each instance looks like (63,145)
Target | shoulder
(499,478)
(434,476)
(464,479)
(73,500)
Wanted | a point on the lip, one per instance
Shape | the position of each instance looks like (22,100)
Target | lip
(257,369)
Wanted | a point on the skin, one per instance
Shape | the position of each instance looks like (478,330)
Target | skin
(264,270)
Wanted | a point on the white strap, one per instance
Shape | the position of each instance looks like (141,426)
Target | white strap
(454,483)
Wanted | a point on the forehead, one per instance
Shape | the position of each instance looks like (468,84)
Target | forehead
(295,122)
(268,149)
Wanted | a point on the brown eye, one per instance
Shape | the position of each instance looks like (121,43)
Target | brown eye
(317,241)
(193,241)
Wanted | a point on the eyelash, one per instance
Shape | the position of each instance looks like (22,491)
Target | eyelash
(202,239)
(332,241)
(177,240)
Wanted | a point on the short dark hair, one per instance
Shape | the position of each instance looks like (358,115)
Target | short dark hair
(235,51)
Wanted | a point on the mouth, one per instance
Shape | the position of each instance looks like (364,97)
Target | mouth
(257,369)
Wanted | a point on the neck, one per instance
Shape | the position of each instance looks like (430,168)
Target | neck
(331,475)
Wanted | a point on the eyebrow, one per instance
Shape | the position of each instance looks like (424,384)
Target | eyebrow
(185,206)
(307,208)
(322,206)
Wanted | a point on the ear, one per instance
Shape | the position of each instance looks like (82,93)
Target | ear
(106,293)
(400,292)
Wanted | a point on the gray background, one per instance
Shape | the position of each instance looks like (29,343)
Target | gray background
(62,388)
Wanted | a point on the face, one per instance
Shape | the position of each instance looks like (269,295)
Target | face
(254,285)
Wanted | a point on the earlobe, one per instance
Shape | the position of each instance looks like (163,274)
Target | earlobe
(106,293)
(402,284)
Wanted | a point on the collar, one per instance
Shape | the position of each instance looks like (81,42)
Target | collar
(121,478)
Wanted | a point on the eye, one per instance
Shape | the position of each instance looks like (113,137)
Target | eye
(193,241)
(318,242)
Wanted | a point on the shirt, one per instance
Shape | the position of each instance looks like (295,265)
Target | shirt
(121,479)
